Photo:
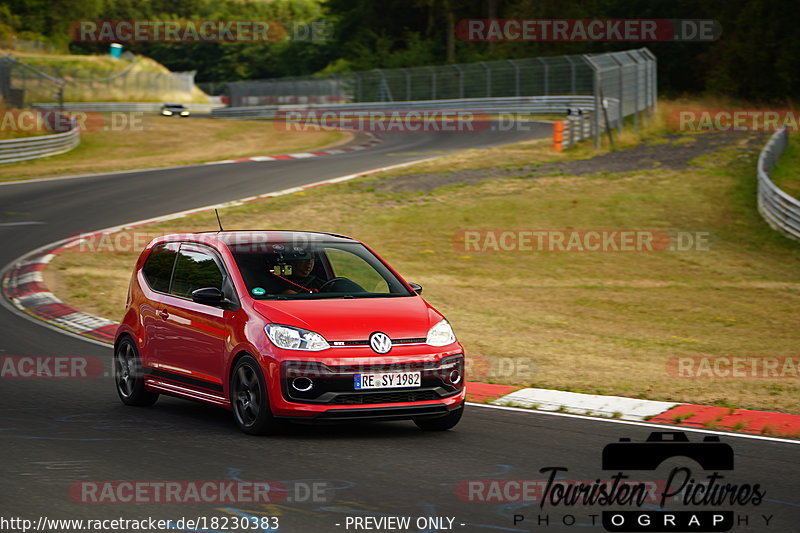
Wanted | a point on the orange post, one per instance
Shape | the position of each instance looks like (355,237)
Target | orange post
(558,135)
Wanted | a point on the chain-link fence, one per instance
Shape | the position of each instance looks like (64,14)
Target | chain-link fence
(22,84)
(488,79)
(622,84)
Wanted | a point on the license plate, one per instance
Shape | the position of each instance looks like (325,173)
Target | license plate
(386,380)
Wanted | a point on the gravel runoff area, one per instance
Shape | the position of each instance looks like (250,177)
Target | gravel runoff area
(675,154)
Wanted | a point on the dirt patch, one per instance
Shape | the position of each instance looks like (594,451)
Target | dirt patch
(675,153)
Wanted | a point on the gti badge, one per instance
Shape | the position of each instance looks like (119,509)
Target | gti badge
(380,342)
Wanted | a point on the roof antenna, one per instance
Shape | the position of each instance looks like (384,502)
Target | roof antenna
(218,220)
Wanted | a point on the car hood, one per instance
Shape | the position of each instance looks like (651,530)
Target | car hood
(354,319)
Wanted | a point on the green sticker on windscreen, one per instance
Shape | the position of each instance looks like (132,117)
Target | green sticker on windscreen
(258,291)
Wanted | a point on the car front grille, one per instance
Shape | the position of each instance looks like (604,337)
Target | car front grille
(385,397)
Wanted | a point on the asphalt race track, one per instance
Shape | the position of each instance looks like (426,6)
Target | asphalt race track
(56,433)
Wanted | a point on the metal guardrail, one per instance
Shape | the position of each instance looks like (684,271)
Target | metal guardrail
(15,150)
(26,148)
(124,107)
(523,105)
(623,85)
(577,128)
(780,210)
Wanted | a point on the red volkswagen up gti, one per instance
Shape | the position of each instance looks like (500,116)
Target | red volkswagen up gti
(282,326)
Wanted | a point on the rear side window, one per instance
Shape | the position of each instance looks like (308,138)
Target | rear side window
(157,268)
(195,269)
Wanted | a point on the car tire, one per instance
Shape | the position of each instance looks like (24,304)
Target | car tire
(442,423)
(128,375)
(249,399)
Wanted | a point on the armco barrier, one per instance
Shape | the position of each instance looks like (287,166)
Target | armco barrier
(541,105)
(780,210)
(122,107)
(580,124)
(623,85)
(15,150)
(567,133)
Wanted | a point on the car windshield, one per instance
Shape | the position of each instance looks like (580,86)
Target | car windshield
(316,270)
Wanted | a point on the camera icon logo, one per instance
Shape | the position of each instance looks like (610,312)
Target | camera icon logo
(710,453)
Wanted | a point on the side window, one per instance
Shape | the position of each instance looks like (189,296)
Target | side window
(195,270)
(157,268)
(352,267)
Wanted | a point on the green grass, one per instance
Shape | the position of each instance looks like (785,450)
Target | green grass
(738,426)
(680,418)
(161,141)
(585,321)
(19,134)
(786,173)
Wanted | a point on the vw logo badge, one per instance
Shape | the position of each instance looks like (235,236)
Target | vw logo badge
(380,342)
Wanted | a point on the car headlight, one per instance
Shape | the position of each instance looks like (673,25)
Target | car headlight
(441,334)
(291,338)
(184,113)
(166,113)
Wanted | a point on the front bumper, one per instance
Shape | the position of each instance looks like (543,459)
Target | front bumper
(334,397)
(383,413)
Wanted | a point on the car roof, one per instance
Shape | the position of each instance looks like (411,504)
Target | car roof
(173,105)
(256,236)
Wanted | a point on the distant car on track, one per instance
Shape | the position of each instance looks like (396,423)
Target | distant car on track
(300,326)
(174,110)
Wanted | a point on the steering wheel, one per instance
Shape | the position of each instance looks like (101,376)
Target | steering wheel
(329,284)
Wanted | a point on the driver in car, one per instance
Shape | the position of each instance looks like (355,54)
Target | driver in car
(302,277)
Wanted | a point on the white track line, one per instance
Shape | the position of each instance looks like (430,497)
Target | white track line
(18,312)
(67,241)
(137,170)
(8,305)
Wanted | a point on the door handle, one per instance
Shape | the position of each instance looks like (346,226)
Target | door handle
(163,314)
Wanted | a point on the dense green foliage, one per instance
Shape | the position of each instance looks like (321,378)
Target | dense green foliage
(756,58)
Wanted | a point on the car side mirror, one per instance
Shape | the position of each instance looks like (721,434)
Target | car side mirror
(208,296)
(416,287)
